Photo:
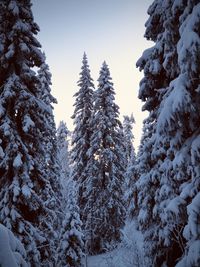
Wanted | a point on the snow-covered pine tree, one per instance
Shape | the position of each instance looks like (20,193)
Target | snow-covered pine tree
(129,137)
(160,66)
(52,166)
(170,89)
(130,156)
(179,122)
(63,154)
(104,185)
(45,95)
(27,200)
(71,246)
(82,132)
(144,186)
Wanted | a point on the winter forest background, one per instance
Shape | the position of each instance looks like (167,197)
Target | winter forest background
(85,197)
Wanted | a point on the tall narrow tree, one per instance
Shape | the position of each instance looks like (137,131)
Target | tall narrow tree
(130,156)
(82,132)
(52,168)
(71,246)
(63,154)
(27,199)
(129,137)
(170,90)
(105,207)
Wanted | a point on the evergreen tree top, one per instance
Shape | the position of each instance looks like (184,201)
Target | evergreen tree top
(84,96)
(104,77)
(85,77)
(128,124)
(62,131)
(105,95)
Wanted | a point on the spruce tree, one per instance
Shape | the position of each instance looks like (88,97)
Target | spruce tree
(170,90)
(71,246)
(104,193)
(50,141)
(52,165)
(27,199)
(63,154)
(82,132)
(129,137)
(179,122)
(130,156)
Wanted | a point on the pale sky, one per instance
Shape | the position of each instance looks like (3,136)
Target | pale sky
(110,30)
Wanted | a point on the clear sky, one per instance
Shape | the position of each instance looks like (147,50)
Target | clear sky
(110,30)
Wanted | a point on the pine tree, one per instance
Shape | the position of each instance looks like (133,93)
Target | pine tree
(82,132)
(63,154)
(104,207)
(44,94)
(181,126)
(27,199)
(50,141)
(170,90)
(70,251)
(155,62)
(129,137)
(130,156)
(52,165)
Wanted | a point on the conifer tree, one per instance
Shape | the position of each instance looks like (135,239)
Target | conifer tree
(50,141)
(63,154)
(71,246)
(129,137)
(170,90)
(27,198)
(130,173)
(105,206)
(82,132)
(52,166)
(144,186)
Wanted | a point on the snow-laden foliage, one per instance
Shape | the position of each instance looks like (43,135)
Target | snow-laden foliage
(71,245)
(63,155)
(82,132)
(130,157)
(27,179)
(129,137)
(129,253)
(169,215)
(12,252)
(50,142)
(104,206)
(52,166)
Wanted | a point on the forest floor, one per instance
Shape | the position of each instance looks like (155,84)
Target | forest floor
(117,258)
(128,254)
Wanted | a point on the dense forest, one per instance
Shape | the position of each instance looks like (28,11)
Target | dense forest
(67,197)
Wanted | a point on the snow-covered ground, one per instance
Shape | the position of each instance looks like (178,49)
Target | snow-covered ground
(12,253)
(117,258)
(128,254)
